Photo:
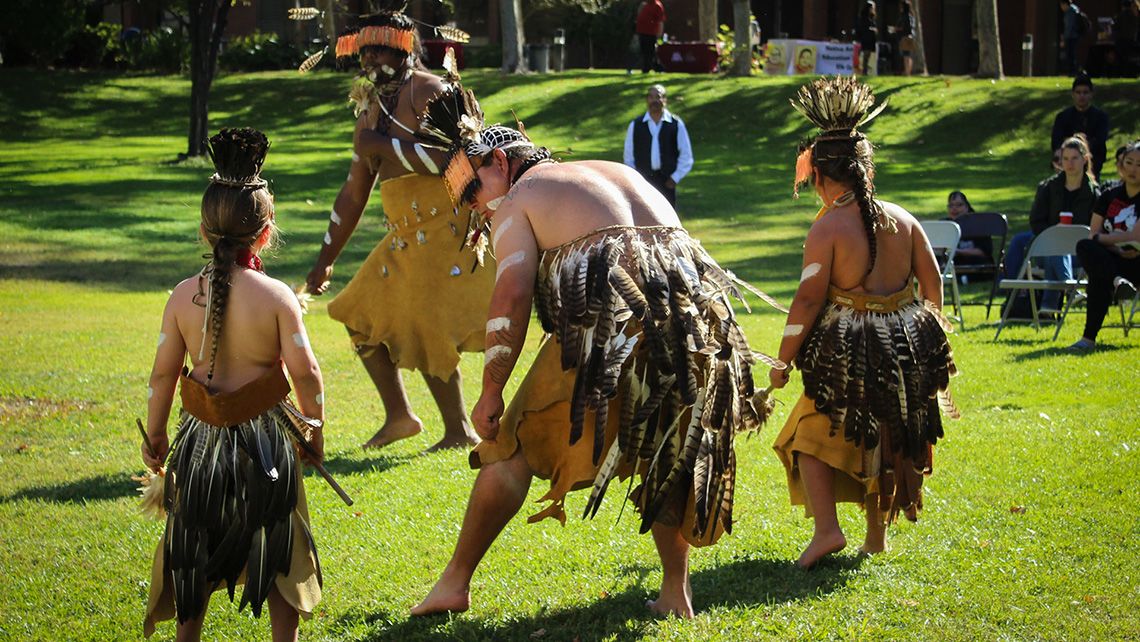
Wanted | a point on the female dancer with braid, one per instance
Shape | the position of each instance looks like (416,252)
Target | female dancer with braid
(234,496)
(875,360)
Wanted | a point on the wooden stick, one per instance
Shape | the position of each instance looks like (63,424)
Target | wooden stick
(146,438)
(319,466)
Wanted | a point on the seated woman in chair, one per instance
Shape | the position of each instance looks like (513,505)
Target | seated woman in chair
(1110,255)
(1066,198)
(972,250)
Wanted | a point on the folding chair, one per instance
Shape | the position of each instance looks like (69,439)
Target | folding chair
(1059,240)
(944,237)
(1135,304)
(994,226)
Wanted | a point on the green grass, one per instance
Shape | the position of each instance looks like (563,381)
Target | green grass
(98,222)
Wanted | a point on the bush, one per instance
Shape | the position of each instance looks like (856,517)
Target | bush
(261,52)
(164,49)
(36,31)
(93,46)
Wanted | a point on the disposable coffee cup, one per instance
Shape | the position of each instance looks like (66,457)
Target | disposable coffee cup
(1066,218)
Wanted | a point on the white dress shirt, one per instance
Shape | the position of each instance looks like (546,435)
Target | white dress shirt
(684,147)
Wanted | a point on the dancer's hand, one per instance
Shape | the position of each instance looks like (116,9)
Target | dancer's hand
(486,415)
(156,461)
(317,442)
(318,280)
(778,377)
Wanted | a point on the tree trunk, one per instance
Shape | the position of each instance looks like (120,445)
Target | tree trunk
(207,23)
(510,16)
(706,20)
(989,43)
(742,57)
(919,46)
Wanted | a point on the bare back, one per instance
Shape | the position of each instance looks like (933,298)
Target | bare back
(564,201)
(250,341)
(899,254)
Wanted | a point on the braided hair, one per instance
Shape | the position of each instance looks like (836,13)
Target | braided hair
(237,208)
(838,107)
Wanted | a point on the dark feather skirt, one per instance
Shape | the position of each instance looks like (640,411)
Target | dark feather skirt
(883,379)
(644,319)
(231,500)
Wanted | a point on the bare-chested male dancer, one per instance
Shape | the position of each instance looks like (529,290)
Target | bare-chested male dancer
(391,307)
(646,370)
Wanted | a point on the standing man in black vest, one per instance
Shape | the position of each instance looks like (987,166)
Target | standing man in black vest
(657,145)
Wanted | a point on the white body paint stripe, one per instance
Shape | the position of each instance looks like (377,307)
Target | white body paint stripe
(503,227)
(498,323)
(509,263)
(320,398)
(149,392)
(335,218)
(793,330)
(810,270)
(328,238)
(496,352)
(161,338)
(355,157)
(425,159)
(300,340)
(400,154)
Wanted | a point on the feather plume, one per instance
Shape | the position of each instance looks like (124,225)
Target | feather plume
(312,61)
(452,33)
(304,13)
(837,104)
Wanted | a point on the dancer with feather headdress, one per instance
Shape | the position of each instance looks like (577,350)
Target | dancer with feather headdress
(234,494)
(644,371)
(875,360)
(390,305)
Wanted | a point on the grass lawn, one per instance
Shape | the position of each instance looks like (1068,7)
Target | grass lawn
(1031,522)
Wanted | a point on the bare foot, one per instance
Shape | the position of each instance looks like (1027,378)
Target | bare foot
(459,441)
(876,541)
(444,598)
(393,431)
(673,602)
(821,546)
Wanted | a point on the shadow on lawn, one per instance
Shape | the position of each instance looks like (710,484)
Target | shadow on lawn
(624,616)
(79,491)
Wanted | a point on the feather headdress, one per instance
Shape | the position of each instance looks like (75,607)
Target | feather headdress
(838,107)
(238,154)
(387,27)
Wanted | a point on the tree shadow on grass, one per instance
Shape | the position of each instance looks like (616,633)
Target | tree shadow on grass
(623,616)
(78,491)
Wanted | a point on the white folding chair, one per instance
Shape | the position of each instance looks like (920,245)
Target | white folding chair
(1059,240)
(1135,304)
(944,237)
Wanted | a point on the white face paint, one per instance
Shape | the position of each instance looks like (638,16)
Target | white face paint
(503,227)
(161,338)
(149,392)
(300,340)
(320,399)
(388,70)
(335,218)
(498,323)
(793,330)
(496,352)
(810,270)
(494,203)
(509,263)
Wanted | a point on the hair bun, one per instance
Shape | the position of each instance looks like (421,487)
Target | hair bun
(238,154)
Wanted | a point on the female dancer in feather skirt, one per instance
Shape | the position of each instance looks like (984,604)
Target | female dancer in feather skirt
(234,496)
(875,360)
(645,370)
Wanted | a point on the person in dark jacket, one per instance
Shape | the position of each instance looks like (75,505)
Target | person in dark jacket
(1083,118)
(1066,198)
(867,34)
(657,145)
